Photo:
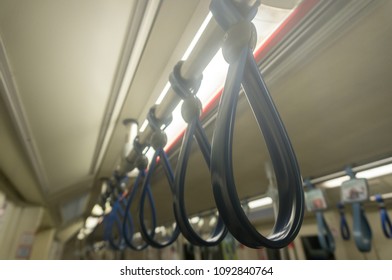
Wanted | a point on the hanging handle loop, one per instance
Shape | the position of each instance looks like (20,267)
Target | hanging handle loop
(243,69)
(325,236)
(361,229)
(191,110)
(385,221)
(344,229)
(158,141)
(128,227)
(113,220)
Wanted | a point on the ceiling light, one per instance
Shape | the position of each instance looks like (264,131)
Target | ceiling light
(160,229)
(375,172)
(108,207)
(87,231)
(264,201)
(212,221)
(143,126)
(333,183)
(97,210)
(197,37)
(163,94)
(367,174)
(137,236)
(134,49)
(195,220)
(91,222)
(81,235)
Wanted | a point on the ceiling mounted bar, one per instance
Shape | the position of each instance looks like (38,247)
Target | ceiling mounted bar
(205,49)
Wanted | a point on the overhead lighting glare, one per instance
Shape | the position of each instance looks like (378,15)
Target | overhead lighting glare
(212,221)
(260,202)
(197,36)
(375,172)
(160,229)
(97,210)
(135,53)
(143,126)
(337,182)
(87,231)
(108,207)
(367,174)
(91,222)
(163,93)
(81,235)
(195,220)
(137,236)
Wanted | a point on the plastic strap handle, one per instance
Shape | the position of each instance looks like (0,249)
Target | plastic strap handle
(361,229)
(149,236)
(291,197)
(385,221)
(325,236)
(114,219)
(344,229)
(194,129)
(128,225)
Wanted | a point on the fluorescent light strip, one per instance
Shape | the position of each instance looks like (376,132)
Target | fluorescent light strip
(367,174)
(163,93)
(333,183)
(375,172)
(195,220)
(143,126)
(97,210)
(91,222)
(265,201)
(135,56)
(197,37)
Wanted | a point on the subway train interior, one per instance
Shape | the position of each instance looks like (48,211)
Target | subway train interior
(196,129)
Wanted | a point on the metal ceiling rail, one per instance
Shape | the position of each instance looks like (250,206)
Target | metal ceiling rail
(205,49)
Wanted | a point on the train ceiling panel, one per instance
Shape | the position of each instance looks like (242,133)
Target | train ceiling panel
(71,71)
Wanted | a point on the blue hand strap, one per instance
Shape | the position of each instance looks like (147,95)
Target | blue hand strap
(325,236)
(344,229)
(113,221)
(194,129)
(149,236)
(385,221)
(243,69)
(361,229)
(128,226)
(191,109)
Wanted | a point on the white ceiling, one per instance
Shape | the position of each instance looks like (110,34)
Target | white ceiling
(72,70)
